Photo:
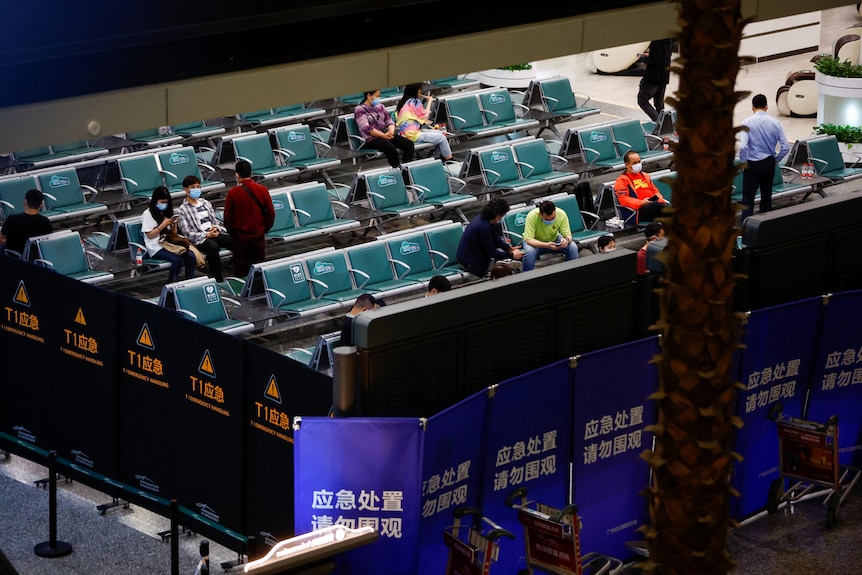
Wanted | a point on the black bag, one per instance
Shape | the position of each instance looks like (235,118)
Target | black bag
(585,196)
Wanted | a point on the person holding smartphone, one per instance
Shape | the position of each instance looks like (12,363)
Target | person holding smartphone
(157,220)
(636,191)
(547,230)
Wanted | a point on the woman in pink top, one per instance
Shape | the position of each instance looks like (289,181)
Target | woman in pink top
(411,118)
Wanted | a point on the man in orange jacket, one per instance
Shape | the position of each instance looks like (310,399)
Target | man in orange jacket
(636,191)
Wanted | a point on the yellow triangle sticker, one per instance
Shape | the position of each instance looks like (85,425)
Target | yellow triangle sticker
(21,295)
(206,366)
(272,391)
(145,339)
(80,317)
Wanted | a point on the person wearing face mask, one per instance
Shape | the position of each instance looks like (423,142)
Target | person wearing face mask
(606,244)
(636,191)
(547,230)
(156,221)
(199,224)
(378,129)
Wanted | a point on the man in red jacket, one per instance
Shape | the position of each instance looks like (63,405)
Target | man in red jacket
(636,191)
(248,215)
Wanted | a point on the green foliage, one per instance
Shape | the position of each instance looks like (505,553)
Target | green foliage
(846,134)
(516,67)
(831,66)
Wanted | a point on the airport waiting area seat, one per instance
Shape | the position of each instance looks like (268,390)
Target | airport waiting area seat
(257,150)
(433,186)
(141,174)
(330,277)
(152,138)
(312,204)
(387,195)
(197,130)
(514,222)
(175,165)
(299,149)
(443,241)
(12,192)
(501,173)
(555,102)
(411,256)
(535,162)
(66,197)
(64,253)
(280,115)
(202,302)
(829,161)
(480,114)
(597,149)
(629,135)
(287,289)
(372,270)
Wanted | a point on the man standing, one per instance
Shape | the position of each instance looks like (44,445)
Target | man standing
(636,191)
(655,78)
(757,152)
(481,245)
(547,230)
(248,215)
(19,227)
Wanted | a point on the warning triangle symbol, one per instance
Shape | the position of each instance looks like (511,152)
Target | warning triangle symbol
(21,295)
(145,339)
(79,318)
(272,391)
(206,366)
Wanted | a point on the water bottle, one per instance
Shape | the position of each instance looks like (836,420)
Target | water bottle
(139,258)
(665,145)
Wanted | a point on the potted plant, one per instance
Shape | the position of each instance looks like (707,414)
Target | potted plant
(515,76)
(846,135)
(837,82)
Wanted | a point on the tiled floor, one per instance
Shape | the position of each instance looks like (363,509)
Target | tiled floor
(763,77)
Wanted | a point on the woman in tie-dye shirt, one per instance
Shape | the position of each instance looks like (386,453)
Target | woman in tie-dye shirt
(412,121)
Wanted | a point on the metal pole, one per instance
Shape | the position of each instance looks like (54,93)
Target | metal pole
(344,381)
(175,538)
(52,547)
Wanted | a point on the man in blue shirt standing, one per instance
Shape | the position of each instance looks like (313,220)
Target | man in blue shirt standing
(757,147)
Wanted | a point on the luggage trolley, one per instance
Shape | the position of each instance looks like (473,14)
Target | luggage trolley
(808,455)
(552,540)
(472,551)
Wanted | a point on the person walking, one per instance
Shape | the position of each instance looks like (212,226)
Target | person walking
(655,78)
(757,152)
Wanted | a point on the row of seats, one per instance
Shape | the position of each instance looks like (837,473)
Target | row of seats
(600,147)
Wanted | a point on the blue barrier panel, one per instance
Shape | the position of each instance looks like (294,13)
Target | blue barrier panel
(58,367)
(775,366)
(528,446)
(451,474)
(276,390)
(836,387)
(358,472)
(611,413)
(181,413)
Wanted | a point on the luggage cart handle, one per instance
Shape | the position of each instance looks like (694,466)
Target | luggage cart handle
(567,510)
(519,493)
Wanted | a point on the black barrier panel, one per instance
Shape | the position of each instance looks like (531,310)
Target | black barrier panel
(59,365)
(180,397)
(788,272)
(595,321)
(276,390)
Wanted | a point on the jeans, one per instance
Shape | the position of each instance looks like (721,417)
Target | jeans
(439,140)
(177,262)
(532,254)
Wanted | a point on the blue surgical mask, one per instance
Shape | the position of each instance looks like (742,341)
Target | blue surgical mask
(549,222)
(194,193)
(375,101)
(161,207)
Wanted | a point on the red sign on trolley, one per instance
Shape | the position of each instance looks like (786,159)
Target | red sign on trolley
(548,544)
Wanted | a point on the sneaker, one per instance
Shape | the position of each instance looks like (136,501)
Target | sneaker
(513,265)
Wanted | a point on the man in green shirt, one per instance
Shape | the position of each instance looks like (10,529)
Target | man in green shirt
(547,231)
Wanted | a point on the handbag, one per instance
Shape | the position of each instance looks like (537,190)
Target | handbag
(172,247)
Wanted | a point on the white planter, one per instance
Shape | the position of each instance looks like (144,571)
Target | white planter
(839,100)
(506,78)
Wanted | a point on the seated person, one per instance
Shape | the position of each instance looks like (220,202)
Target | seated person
(636,191)
(547,230)
(438,284)
(199,224)
(606,244)
(18,228)
(481,245)
(378,129)
(653,231)
(413,121)
(363,303)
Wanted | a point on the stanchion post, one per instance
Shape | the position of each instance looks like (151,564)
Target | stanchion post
(204,566)
(175,538)
(52,547)
(344,381)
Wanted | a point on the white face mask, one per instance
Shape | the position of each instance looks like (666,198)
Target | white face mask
(636,168)
(606,250)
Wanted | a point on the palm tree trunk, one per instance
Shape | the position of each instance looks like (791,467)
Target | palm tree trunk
(690,497)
